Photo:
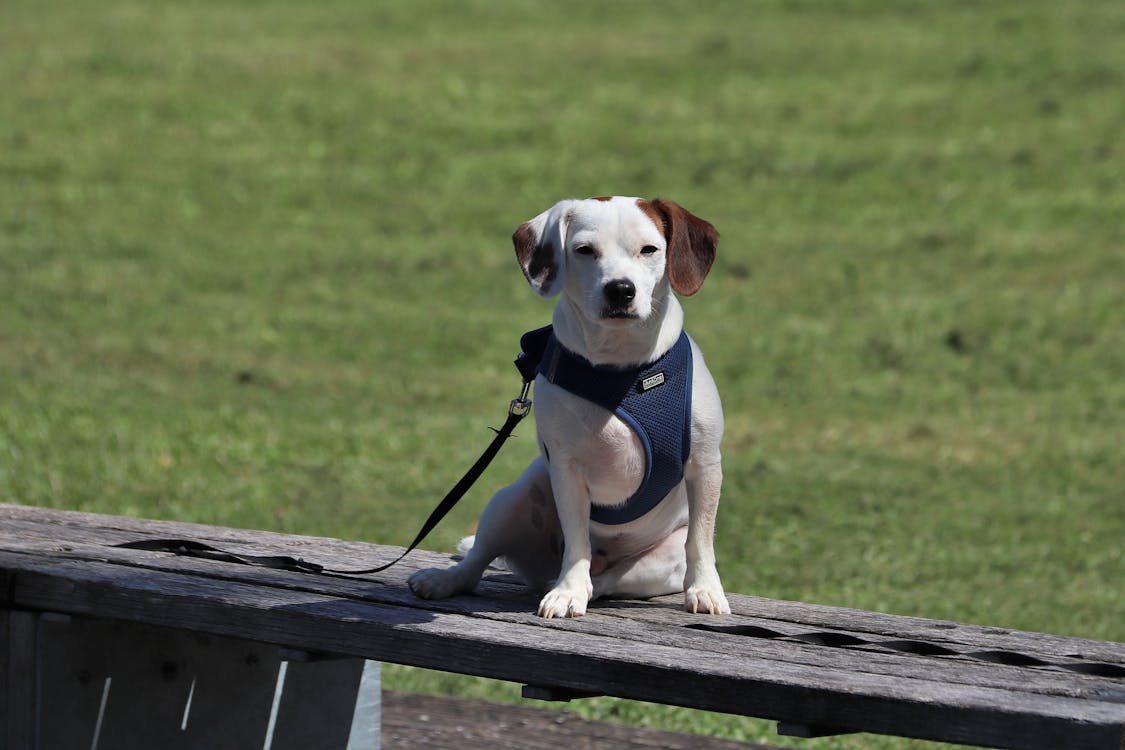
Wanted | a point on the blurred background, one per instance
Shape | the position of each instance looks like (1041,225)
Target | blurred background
(256,270)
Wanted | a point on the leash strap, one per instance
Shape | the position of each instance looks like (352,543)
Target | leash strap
(519,408)
(515,414)
(191,548)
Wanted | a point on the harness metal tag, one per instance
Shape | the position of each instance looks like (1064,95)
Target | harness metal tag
(652,381)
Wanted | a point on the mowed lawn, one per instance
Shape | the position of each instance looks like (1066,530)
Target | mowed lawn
(255,270)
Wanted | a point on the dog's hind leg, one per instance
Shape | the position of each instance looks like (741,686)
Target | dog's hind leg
(518,524)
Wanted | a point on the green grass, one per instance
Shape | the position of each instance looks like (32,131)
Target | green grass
(255,271)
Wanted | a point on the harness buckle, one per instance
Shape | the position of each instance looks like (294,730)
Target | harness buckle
(521,405)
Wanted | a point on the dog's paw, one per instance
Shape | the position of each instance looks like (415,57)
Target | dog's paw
(565,601)
(437,583)
(705,594)
(709,601)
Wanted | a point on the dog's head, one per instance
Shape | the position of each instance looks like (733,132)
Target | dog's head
(613,256)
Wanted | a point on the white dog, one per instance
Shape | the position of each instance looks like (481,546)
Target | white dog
(623,498)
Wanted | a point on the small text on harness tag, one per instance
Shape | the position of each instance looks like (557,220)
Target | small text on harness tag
(652,381)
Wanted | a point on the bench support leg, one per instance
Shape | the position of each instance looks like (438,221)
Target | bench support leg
(17,680)
(70,682)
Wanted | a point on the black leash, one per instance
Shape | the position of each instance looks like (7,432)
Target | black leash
(190,548)
(519,408)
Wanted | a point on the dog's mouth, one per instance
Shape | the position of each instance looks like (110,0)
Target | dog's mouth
(613,313)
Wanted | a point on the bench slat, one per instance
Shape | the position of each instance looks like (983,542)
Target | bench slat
(791,693)
(57,526)
(58,561)
(661,622)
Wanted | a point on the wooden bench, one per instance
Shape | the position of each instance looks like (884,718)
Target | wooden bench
(148,649)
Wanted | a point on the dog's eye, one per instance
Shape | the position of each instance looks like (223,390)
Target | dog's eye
(648,249)
(584,250)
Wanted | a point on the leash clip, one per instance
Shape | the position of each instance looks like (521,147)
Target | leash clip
(521,405)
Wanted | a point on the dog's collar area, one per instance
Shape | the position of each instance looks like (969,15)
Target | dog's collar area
(603,384)
(654,399)
(541,343)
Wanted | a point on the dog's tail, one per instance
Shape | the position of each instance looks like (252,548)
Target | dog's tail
(467,543)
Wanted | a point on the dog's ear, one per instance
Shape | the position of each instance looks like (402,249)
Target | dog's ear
(539,248)
(691,246)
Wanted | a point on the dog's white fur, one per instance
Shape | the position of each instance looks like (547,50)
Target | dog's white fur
(541,524)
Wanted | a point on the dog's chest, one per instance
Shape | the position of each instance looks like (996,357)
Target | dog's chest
(590,440)
(627,434)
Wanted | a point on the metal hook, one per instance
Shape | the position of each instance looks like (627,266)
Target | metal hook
(521,405)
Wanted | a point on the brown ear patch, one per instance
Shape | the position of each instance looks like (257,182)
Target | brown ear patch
(524,240)
(537,261)
(692,242)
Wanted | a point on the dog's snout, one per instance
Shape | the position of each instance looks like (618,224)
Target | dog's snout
(620,292)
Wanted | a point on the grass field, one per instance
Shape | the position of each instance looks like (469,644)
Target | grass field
(255,270)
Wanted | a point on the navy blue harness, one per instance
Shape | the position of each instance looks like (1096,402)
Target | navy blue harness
(653,399)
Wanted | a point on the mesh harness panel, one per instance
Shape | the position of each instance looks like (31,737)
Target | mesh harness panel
(653,399)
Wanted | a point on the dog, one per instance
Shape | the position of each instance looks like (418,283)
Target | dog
(612,506)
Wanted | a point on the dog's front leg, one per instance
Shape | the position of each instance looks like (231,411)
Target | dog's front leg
(573,588)
(703,591)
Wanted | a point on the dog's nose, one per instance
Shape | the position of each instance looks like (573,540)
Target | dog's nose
(620,292)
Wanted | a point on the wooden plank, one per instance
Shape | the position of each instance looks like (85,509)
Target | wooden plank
(581,661)
(19,631)
(65,522)
(937,632)
(5,665)
(632,625)
(318,702)
(149,688)
(166,687)
(72,671)
(233,683)
(350,553)
(861,658)
(642,623)
(574,621)
(227,705)
(900,626)
(954,660)
(21,522)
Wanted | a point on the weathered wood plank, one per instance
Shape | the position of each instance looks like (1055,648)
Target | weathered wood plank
(17,712)
(886,626)
(841,674)
(582,661)
(72,671)
(148,668)
(640,623)
(59,526)
(176,689)
(317,704)
(232,694)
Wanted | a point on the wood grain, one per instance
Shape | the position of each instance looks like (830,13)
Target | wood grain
(63,561)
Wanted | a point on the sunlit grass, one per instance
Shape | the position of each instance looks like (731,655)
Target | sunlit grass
(255,270)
